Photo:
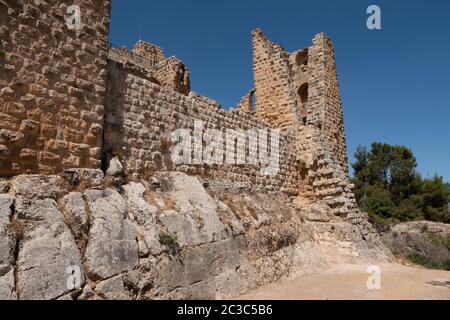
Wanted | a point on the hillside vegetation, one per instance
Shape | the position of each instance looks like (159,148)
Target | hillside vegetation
(389,189)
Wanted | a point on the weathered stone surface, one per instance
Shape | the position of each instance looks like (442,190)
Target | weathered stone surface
(75,215)
(207,261)
(112,246)
(4,186)
(115,167)
(38,186)
(198,264)
(182,227)
(92,178)
(422,227)
(47,87)
(416,238)
(337,231)
(269,239)
(197,221)
(92,195)
(169,274)
(7,290)
(6,201)
(222,286)
(307,258)
(156,184)
(144,217)
(113,289)
(46,251)
(88,294)
(317,212)
(268,243)
(7,248)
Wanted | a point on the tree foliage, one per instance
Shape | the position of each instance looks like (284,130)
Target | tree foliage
(389,188)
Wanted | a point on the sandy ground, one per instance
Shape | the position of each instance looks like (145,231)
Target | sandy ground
(350,282)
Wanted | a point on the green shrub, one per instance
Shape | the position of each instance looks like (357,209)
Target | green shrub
(388,186)
(429,263)
(442,241)
(167,239)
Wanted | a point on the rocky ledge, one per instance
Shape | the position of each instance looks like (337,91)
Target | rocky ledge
(80,235)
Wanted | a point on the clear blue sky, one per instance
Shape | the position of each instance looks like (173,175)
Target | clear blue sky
(395,83)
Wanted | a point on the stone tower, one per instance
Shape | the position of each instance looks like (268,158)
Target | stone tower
(52,85)
(300,89)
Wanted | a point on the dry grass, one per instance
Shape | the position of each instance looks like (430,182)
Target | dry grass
(18,228)
(169,203)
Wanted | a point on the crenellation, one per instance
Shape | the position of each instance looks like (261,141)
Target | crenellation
(149,62)
(150,52)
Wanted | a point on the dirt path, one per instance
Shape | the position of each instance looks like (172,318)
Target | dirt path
(350,282)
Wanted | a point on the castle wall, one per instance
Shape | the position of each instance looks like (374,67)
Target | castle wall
(52,85)
(141,116)
(275,99)
(334,119)
(324,107)
(56,83)
(170,72)
(150,52)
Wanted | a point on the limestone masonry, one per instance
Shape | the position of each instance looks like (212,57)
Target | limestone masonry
(67,104)
(87,177)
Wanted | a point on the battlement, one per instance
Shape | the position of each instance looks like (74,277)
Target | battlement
(143,54)
(149,61)
(149,51)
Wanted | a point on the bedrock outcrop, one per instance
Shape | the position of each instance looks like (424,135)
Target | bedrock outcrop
(173,236)
(424,240)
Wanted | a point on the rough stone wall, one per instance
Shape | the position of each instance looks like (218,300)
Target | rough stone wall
(246,103)
(310,75)
(324,108)
(275,100)
(300,88)
(322,169)
(142,113)
(321,139)
(141,116)
(52,85)
(334,119)
(150,52)
(298,63)
(170,72)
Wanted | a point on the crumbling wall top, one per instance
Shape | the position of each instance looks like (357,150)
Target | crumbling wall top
(149,60)
(149,51)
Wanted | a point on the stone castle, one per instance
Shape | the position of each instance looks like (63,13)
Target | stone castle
(69,102)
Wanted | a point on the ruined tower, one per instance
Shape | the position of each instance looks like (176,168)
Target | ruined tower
(300,89)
